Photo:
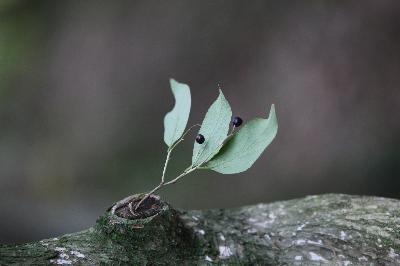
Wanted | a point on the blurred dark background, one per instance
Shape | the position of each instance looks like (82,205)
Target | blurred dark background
(84,89)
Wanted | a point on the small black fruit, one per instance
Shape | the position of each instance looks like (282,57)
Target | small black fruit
(200,139)
(237,121)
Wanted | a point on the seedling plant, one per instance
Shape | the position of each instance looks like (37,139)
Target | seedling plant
(215,147)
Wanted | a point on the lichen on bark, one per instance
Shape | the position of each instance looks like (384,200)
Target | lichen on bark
(325,229)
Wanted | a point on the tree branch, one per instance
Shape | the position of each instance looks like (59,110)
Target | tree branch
(327,229)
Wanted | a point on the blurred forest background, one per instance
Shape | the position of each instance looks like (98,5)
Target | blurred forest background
(84,89)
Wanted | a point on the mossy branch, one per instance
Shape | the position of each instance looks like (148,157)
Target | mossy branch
(327,229)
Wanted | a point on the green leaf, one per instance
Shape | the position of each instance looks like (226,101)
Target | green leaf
(214,128)
(175,121)
(244,148)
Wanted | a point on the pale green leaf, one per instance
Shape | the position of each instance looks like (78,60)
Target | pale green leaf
(175,121)
(244,148)
(214,128)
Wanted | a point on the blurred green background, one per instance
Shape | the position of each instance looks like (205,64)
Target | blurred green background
(84,89)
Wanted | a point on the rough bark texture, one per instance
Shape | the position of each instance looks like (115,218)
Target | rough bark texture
(326,229)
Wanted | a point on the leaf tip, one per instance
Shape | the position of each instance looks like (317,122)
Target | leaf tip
(272,110)
(221,94)
(172,82)
(272,115)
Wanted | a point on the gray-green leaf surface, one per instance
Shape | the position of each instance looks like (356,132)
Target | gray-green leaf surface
(214,128)
(246,146)
(175,121)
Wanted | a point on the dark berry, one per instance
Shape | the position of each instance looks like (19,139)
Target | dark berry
(200,139)
(237,121)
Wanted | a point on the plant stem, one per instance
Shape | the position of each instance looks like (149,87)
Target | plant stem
(162,183)
(162,178)
(190,128)
(233,129)
(180,176)
(185,172)
(148,195)
(165,165)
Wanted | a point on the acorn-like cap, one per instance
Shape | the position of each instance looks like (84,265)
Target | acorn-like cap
(200,139)
(237,121)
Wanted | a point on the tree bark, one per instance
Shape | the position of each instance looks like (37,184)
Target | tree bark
(326,229)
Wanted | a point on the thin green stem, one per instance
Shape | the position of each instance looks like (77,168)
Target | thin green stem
(162,183)
(162,176)
(173,181)
(233,129)
(182,138)
(165,165)
(190,128)
(148,195)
